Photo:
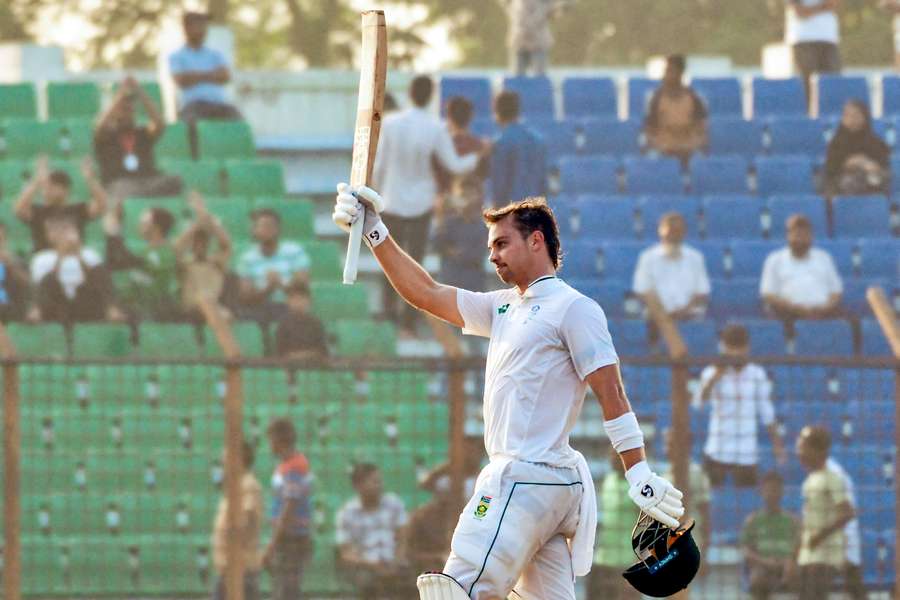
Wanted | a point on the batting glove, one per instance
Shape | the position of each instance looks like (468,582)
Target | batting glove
(654,495)
(351,203)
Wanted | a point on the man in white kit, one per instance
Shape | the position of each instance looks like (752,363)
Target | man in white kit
(529,527)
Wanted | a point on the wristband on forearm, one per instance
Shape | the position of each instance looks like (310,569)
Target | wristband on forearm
(624,432)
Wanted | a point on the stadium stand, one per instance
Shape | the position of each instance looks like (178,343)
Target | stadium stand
(890,96)
(784,175)
(797,135)
(866,216)
(823,338)
(476,89)
(645,175)
(640,90)
(734,135)
(607,217)
(535,96)
(833,91)
(589,97)
(225,139)
(780,207)
(722,95)
(778,97)
(610,136)
(719,175)
(727,217)
(67,100)
(18,101)
(653,207)
(588,175)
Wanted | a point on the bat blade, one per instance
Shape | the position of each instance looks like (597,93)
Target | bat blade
(372,78)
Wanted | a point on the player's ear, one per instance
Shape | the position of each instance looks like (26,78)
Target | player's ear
(537,239)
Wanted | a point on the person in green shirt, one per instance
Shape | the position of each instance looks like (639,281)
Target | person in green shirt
(770,540)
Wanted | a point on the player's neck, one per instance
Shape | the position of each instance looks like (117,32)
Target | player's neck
(534,278)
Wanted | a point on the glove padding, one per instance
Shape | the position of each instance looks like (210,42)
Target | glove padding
(353,202)
(654,495)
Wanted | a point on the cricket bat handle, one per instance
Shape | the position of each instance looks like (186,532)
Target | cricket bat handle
(351,265)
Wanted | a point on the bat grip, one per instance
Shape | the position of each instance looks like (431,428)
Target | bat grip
(351,264)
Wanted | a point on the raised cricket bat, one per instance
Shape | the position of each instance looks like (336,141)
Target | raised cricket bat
(372,75)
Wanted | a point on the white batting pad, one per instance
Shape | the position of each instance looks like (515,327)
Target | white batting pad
(437,586)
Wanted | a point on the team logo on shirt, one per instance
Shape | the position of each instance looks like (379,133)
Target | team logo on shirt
(502,309)
(483,505)
(532,313)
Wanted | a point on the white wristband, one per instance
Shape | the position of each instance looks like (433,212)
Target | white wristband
(378,234)
(638,473)
(624,432)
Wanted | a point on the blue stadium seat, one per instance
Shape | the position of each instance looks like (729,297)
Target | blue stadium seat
(653,207)
(719,175)
(486,128)
(583,260)
(873,341)
(610,136)
(610,295)
(476,89)
(535,96)
(640,91)
(854,297)
(722,95)
(880,258)
(823,338)
(861,216)
(645,175)
(766,335)
(587,97)
(559,137)
(842,251)
(565,208)
(713,252)
(619,259)
(629,337)
(784,175)
(890,96)
(797,135)
(700,337)
(735,299)
(733,135)
(607,217)
(779,208)
(835,90)
(895,181)
(747,257)
(773,97)
(588,175)
(728,217)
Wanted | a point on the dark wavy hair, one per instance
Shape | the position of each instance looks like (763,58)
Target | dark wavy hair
(530,215)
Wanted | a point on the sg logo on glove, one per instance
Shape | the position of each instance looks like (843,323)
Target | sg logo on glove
(647,491)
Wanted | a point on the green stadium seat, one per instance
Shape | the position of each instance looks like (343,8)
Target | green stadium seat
(362,337)
(205,176)
(18,101)
(44,340)
(25,139)
(72,99)
(12,180)
(314,388)
(297,220)
(266,387)
(248,336)
(332,300)
(157,340)
(101,340)
(326,260)
(234,214)
(76,138)
(399,386)
(174,142)
(225,139)
(255,178)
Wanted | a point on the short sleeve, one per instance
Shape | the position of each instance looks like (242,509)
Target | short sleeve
(585,333)
(705,376)
(703,286)
(342,533)
(176,65)
(642,282)
(833,281)
(477,311)
(764,396)
(767,283)
(838,489)
(243,264)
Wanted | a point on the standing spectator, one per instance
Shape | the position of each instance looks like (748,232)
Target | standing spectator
(300,334)
(893,7)
(769,539)
(812,31)
(124,149)
(529,38)
(800,281)
(250,520)
(739,396)
(402,172)
(267,268)
(200,73)
(14,282)
(676,117)
(852,571)
(826,511)
(369,536)
(699,490)
(858,161)
(519,156)
(290,547)
(674,271)
(56,187)
(430,530)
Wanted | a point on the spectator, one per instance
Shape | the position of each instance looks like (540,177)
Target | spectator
(267,268)
(519,156)
(697,493)
(369,535)
(740,395)
(529,38)
(613,552)
(800,281)
(409,139)
(300,334)
(826,511)
(858,161)
(430,530)
(14,282)
(249,525)
(290,547)
(769,540)
(852,570)
(676,117)
(674,271)
(124,149)
(56,187)
(460,232)
(203,275)
(71,282)
(893,7)
(812,31)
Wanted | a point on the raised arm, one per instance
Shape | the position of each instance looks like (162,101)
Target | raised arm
(98,202)
(22,207)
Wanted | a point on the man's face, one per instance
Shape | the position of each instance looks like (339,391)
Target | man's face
(125,114)
(809,456)
(298,303)
(265,229)
(510,253)
(56,193)
(195,31)
(799,239)
(671,230)
(372,487)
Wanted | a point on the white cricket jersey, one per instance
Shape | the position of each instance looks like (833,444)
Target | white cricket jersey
(543,344)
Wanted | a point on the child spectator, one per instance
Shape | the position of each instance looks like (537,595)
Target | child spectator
(769,539)
(853,579)
(676,118)
(858,162)
(249,526)
(740,396)
(300,334)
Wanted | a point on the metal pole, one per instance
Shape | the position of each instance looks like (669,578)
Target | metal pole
(12,571)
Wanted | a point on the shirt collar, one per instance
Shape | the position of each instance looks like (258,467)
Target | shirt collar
(540,285)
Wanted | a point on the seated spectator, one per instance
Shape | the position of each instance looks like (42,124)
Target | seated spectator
(203,275)
(827,509)
(369,535)
(740,395)
(673,271)
(14,282)
(300,334)
(697,493)
(518,157)
(676,117)
(267,268)
(200,72)
(149,288)
(124,149)
(56,187)
(71,282)
(858,161)
(431,529)
(250,519)
(770,538)
(800,281)
(852,570)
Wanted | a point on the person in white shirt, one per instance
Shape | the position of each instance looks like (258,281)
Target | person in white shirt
(409,140)
(800,281)
(812,30)
(531,522)
(853,579)
(674,271)
(893,7)
(740,396)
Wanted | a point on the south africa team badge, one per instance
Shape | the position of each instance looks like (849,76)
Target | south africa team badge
(483,505)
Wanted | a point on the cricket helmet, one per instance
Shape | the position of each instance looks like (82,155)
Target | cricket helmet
(668,559)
